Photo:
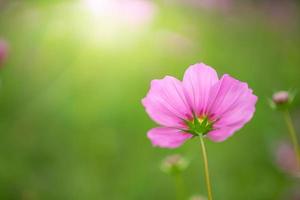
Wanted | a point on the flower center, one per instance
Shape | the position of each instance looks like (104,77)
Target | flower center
(199,125)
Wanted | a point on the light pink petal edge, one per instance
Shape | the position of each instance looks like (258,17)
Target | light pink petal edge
(167,137)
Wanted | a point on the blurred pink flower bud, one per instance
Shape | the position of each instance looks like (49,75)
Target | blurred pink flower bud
(282,100)
(286,159)
(3,51)
(174,164)
(197,197)
(281,97)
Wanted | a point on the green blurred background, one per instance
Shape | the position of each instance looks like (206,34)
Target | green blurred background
(71,121)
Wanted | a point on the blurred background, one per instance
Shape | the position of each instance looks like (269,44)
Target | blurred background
(73,74)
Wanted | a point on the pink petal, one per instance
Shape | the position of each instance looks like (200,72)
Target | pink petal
(232,104)
(219,135)
(197,82)
(167,137)
(165,103)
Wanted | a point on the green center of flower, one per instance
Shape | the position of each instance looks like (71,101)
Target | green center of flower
(199,126)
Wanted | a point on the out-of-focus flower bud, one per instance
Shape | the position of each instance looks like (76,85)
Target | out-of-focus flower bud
(286,159)
(3,51)
(174,164)
(282,99)
(198,197)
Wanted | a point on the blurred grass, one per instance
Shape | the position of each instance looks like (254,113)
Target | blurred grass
(71,122)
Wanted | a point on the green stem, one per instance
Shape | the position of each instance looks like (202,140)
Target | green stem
(293,135)
(207,177)
(180,191)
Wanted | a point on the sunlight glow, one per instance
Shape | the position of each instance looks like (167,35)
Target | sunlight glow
(116,22)
(128,12)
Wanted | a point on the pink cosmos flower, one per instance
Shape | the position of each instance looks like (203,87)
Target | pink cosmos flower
(202,104)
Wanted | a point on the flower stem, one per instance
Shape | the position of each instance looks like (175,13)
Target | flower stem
(207,178)
(293,135)
(180,190)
